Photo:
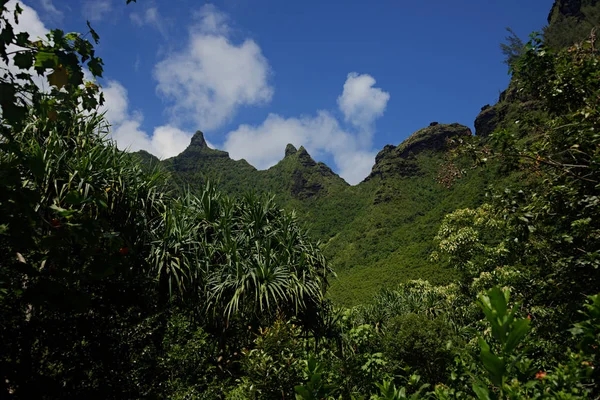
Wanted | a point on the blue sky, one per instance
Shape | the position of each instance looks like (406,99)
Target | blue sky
(342,78)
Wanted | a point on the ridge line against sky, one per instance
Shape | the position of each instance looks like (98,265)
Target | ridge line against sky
(219,79)
(206,83)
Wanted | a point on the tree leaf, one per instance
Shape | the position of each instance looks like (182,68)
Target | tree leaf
(93,32)
(481,391)
(59,78)
(95,66)
(24,60)
(22,39)
(61,211)
(45,59)
(492,363)
(517,333)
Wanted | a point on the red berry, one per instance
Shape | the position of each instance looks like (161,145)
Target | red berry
(124,251)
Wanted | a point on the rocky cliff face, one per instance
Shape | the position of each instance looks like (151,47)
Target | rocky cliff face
(297,176)
(199,155)
(569,21)
(397,160)
(569,8)
(300,176)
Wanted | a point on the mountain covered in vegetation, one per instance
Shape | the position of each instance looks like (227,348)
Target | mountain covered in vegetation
(380,232)
(467,265)
(375,234)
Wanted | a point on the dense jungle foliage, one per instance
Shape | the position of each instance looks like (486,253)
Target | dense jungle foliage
(116,284)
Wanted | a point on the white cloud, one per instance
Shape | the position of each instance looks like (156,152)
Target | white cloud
(150,17)
(166,141)
(360,102)
(116,102)
(51,9)
(212,77)
(29,20)
(321,134)
(96,10)
(354,166)
(211,21)
(263,146)
(170,140)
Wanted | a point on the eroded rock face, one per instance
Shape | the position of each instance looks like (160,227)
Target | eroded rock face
(488,120)
(398,160)
(305,178)
(305,159)
(198,140)
(432,138)
(290,150)
(306,181)
(198,145)
(198,157)
(302,188)
(568,8)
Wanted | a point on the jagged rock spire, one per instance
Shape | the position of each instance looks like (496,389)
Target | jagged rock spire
(198,140)
(290,150)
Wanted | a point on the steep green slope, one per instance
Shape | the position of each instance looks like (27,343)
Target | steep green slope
(299,177)
(377,233)
(391,239)
(322,200)
(297,181)
(571,21)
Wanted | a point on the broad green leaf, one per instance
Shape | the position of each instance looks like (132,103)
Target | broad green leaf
(7,35)
(24,60)
(95,65)
(7,93)
(13,113)
(302,393)
(22,39)
(481,391)
(59,78)
(45,59)
(518,331)
(498,300)
(492,363)
(72,36)
(73,197)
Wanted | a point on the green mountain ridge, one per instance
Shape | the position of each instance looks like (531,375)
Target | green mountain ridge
(381,232)
(384,223)
(122,280)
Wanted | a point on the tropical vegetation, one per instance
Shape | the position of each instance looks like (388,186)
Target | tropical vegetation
(117,283)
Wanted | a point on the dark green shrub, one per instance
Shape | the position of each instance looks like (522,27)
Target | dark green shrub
(420,343)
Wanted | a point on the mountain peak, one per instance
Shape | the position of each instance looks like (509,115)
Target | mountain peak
(397,159)
(290,150)
(432,138)
(198,150)
(305,158)
(198,140)
(567,8)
